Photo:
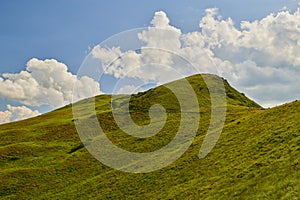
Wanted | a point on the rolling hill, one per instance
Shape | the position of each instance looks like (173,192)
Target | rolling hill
(256,156)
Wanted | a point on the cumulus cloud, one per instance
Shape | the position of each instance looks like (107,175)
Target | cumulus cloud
(161,34)
(14,113)
(161,43)
(273,40)
(5,116)
(45,83)
(260,58)
(107,55)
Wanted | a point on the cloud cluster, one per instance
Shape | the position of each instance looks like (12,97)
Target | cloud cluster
(44,83)
(161,43)
(14,113)
(260,58)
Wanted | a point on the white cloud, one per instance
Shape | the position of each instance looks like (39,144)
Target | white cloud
(161,43)
(216,31)
(128,89)
(160,20)
(85,87)
(5,116)
(14,113)
(261,59)
(256,56)
(107,55)
(45,83)
(161,34)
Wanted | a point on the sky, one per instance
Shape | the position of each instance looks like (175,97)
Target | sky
(43,44)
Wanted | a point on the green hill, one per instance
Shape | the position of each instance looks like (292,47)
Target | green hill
(256,157)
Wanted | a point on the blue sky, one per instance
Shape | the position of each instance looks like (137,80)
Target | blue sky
(66,31)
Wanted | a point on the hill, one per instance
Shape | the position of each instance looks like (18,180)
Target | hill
(256,157)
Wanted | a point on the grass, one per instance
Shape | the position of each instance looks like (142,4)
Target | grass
(256,157)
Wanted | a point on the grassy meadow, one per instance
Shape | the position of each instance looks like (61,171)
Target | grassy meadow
(256,157)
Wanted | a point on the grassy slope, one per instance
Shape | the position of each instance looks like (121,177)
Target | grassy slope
(256,157)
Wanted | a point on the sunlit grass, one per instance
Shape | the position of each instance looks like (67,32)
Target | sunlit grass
(256,157)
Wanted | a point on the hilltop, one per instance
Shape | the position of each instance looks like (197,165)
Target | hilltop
(256,157)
